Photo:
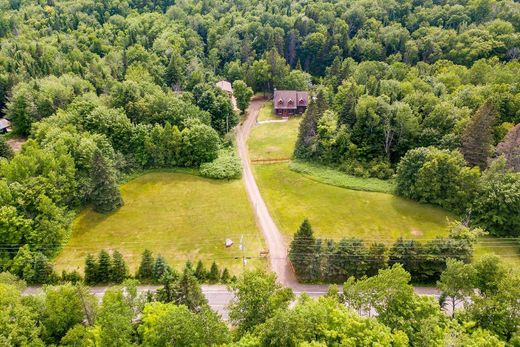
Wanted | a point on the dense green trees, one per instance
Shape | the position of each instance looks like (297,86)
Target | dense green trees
(316,260)
(68,315)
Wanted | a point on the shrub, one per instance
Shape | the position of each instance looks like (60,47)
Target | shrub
(226,166)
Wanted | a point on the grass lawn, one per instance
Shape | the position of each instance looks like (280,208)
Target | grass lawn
(178,215)
(294,191)
(336,212)
(267,112)
(273,140)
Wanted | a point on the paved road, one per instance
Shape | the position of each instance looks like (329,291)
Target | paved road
(219,296)
(273,238)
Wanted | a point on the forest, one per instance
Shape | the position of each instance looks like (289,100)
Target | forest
(422,92)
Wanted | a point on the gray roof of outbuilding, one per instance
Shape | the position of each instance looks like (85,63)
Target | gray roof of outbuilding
(225,86)
(4,123)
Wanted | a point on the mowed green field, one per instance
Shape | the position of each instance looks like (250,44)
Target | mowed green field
(273,140)
(178,215)
(336,212)
(267,112)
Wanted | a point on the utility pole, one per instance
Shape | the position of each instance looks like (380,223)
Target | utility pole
(242,249)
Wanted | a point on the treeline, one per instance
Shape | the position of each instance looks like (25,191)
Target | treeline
(330,261)
(106,268)
(263,313)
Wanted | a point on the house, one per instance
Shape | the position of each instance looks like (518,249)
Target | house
(5,126)
(289,102)
(225,86)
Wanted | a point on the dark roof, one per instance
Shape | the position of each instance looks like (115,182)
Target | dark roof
(289,99)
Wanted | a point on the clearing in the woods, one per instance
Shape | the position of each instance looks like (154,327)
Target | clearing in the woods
(180,216)
(366,211)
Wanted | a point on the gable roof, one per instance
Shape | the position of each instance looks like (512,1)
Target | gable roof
(289,99)
(225,86)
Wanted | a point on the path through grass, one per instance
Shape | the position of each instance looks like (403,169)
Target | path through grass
(178,215)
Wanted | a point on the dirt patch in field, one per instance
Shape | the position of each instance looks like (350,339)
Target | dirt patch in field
(416,232)
(16,143)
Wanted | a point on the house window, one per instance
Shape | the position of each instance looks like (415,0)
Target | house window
(280,101)
(291,102)
(301,101)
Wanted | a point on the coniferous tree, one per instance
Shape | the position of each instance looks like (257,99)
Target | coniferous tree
(477,139)
(301,252)
(200,272)
(145,271)
(42,269)
(214,273)
(119,268)
(104,270)
(188,292)
(160,267)
(5,150)
(91,267)
(167,292)
(105,195)
(225,276)
(376,259)
(305,142)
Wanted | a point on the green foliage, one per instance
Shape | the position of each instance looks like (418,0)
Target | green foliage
(257,298)
(214,274)
(104,267)
(168,324)
(477,139)
(114,319)
(496,207)
(91,270)
(226,166)
(243,93)
(5,150)
(119,270)
(301,251)
(145,270)
(437,176)
(188,292)
(105,195)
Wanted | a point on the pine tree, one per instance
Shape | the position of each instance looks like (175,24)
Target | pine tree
(225,276)
(91,267)
(160,267)
(104,269)
(200,272)
(309,127)
(188,292)
(42,269)
(105,195)
(167,292)
(477,139)
(119,268)
(5,150)
(145,271)
(214,273)
(301,252)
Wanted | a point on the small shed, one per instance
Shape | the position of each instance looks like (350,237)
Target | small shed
(5,126)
